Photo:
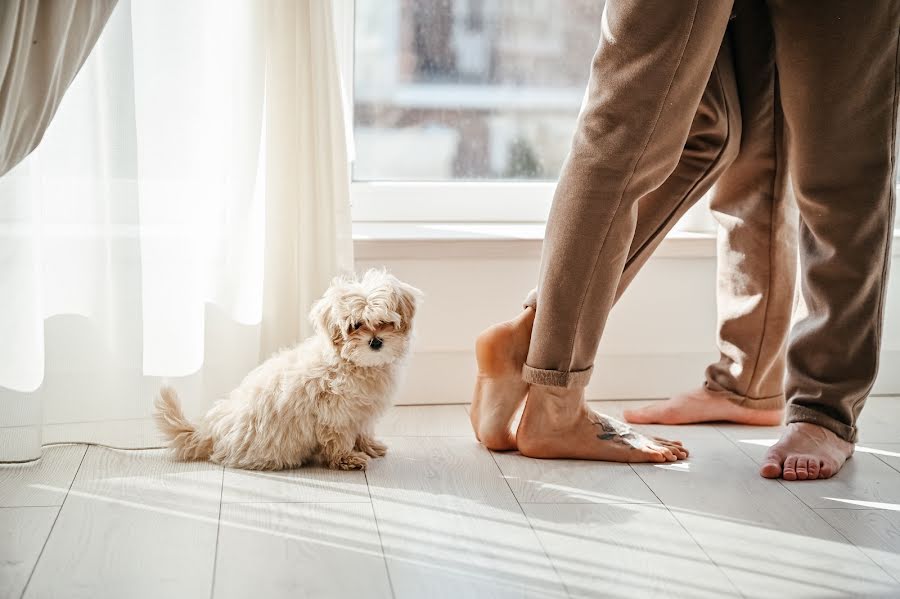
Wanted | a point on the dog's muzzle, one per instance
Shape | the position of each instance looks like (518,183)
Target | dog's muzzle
(376,343)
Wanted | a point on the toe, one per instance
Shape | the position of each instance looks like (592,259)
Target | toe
(675,447)
(801,467)
(826,470)
(649,455)
(790,465)
(665,441)
(771,467)
(770,470)
(813,468)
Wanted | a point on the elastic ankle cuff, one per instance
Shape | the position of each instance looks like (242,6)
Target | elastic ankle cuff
(531,300)
(556,378)
(797,413)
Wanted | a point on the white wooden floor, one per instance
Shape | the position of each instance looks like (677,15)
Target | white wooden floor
(442,517)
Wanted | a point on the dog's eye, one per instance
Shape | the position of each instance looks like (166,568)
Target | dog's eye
(355,326)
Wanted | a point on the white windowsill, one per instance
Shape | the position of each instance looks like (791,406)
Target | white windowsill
(434,240)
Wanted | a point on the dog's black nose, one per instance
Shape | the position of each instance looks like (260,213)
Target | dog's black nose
(376,343)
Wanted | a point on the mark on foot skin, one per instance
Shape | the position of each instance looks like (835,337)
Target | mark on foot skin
(618,432)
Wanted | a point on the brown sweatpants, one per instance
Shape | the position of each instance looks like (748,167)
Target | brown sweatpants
(662,123)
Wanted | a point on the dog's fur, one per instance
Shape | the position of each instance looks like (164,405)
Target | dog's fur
(316,402)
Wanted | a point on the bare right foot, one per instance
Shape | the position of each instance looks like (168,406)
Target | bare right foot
(702,405)
(557,423)
(499,390)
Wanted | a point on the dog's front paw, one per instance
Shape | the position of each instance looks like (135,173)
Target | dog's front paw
(371,447)
(352,461)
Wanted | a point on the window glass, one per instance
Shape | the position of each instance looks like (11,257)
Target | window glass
(469,89)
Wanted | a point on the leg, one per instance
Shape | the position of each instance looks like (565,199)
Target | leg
(339,450)
(502,349)
(631,134)
(840,109)
(757,253)
(370,446)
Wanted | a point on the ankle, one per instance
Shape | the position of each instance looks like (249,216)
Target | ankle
(556,408)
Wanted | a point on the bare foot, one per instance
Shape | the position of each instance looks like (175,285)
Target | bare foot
(806,452)
(557,423)
(499,390)
(702,405)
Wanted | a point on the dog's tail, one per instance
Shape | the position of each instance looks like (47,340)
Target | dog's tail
(184,438)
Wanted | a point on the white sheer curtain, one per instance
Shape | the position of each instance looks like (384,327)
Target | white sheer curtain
(187,203)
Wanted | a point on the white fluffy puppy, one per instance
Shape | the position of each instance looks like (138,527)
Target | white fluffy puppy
(317,401)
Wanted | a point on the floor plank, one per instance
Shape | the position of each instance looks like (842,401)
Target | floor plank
(275,550)
(875,532)
(134,524)
(863,481)
(625,551)
(450,526)
(878,420)
(572,481)
(765,539)
(43,482)
(425,421)
(23,530)
(441,516)
(305,485)
(889,453)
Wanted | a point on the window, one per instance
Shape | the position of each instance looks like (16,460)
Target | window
(491,88)
(464,109)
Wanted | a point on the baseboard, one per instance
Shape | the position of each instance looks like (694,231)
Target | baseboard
(448,377)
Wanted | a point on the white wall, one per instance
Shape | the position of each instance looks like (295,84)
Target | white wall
(659,338)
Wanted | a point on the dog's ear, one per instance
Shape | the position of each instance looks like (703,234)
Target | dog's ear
(408,298)
(322,318)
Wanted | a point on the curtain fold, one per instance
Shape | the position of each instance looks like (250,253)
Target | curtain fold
(43,44)
(188,202)
(313,237)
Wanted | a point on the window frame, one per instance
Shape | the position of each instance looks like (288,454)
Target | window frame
(447,201)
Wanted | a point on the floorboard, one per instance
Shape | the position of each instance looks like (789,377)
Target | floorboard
(451,527)
(24,531)
(275,550)
(43,482)
(135,524)
(625,550)
(765,539)
(440,516)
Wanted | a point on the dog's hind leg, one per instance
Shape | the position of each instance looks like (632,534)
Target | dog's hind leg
(370,446)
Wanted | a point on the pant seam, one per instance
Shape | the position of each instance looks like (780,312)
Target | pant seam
(713,164)
(776,184)
(637,161)
(886,259)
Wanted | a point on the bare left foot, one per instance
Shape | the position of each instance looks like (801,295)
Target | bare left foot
(702,405)
(806,452)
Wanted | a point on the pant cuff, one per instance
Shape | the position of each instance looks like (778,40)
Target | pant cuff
(771,402)
(556,378)
(797,413)
(530,300)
